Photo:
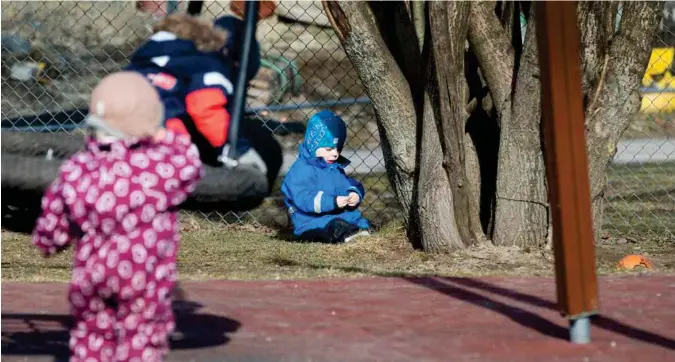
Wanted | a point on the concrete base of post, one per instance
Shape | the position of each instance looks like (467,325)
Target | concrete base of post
(580,330)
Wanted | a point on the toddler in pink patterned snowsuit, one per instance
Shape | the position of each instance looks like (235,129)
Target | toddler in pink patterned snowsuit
(117,201)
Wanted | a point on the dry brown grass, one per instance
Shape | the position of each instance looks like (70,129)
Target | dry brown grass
(636,224)
(245,252)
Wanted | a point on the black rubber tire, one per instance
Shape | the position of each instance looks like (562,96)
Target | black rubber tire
(262,140)
(63,145)
(34,174)
(25,178)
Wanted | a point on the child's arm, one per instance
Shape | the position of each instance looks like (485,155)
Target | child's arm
(52,232)
(184,157)
(206,103)
(307,196)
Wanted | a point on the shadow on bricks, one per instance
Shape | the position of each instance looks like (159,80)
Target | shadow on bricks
(466,290)
(48,334)
(600,321)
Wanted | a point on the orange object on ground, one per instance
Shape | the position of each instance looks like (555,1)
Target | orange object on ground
(633,261)
(265,10)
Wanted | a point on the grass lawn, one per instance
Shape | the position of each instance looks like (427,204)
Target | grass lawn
(639,218)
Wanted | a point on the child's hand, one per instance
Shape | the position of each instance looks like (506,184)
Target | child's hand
(354,199)
(342,201)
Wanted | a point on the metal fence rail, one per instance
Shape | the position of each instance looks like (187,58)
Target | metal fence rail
(53,53)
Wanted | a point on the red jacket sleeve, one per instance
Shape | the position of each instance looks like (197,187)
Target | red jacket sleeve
(206,103)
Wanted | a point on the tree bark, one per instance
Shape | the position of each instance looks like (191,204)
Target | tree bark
(521,215)
(483,160)
(449,26)
(618,97)
(390,94)
(394,78)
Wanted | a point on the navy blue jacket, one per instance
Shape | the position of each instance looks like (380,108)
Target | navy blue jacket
(312,185)
(192,84)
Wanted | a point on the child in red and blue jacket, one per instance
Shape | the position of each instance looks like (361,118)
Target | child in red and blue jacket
(192,64)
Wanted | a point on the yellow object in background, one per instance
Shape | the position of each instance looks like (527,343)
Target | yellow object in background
(658,102)
(659,63)
(658,82)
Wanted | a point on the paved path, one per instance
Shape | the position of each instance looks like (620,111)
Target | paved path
(628,151)
(376,319)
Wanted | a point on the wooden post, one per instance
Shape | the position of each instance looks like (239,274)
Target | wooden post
(567,171)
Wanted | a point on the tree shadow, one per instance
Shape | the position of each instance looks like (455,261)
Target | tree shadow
(25,334)
(518,315)
(460,288)
(600,321)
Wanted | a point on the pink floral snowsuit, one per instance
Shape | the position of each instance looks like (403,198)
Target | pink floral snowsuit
(120,202)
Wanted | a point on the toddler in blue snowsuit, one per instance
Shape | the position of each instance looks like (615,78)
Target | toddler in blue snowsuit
(321,199)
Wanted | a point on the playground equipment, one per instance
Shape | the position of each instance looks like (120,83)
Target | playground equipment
(31,160)
(569,191)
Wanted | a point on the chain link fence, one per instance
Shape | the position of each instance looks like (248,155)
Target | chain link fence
(53,53)
(640,199)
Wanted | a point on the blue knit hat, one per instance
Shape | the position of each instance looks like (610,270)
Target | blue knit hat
(325,129)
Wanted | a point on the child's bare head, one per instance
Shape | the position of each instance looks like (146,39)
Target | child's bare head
(203,34)
(125,105)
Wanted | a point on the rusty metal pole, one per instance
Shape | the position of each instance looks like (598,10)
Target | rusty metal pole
(567,170)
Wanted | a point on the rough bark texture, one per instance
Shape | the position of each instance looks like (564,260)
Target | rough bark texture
(390,93)
(449,25)
(438,226)
(393,70)
(494,53)
(521,216)
(475,110)
(618,97)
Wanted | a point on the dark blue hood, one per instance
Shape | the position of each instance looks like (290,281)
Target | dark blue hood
(236,27)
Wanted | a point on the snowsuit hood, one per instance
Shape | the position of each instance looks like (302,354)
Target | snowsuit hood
(236,27)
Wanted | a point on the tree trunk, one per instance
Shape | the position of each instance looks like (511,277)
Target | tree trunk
(424,192)
(521,216)
(521,211)
(616,97)
(389,91)
(477,154)
(449,26)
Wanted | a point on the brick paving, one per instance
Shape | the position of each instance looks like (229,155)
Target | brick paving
(375,319)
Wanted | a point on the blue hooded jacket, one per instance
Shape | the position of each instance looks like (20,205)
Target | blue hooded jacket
(312,184)
(195,84)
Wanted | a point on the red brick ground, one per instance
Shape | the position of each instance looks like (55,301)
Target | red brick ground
(382,319)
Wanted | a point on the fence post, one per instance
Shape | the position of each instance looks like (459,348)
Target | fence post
(567,171)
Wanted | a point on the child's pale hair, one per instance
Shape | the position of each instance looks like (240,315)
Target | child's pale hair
(205,36)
